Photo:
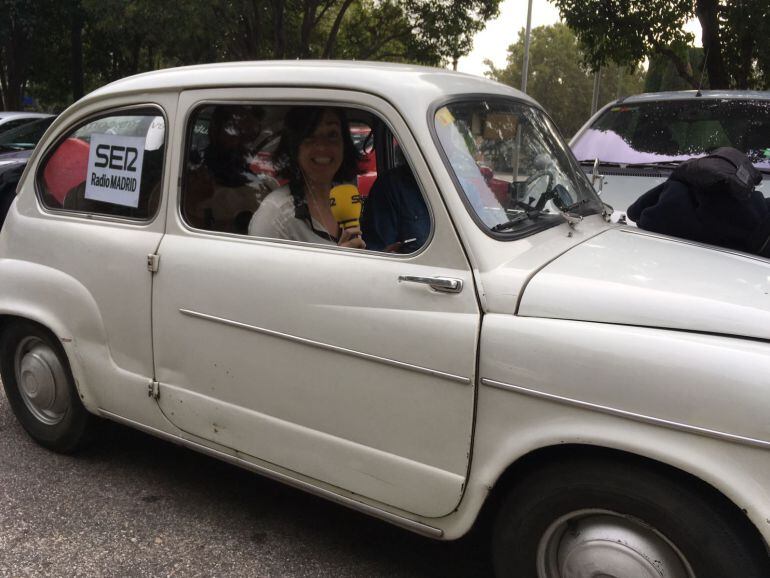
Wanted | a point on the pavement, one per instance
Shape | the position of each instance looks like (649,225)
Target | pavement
(133,505)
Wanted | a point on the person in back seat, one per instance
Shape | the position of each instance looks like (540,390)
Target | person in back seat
(223,193)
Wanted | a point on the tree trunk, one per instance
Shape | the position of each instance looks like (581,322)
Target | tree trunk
(279,30)
(332,38)
(76,44)
(707,12)
(308,22)
(16,51)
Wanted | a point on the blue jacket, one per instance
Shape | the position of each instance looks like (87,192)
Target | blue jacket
(395,212)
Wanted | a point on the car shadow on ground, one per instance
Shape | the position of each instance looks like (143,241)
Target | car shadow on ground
(326,529)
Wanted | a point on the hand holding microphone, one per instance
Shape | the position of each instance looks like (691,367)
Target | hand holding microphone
(345,204)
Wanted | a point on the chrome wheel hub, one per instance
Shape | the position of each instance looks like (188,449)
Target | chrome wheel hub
(603,544)
(42,380)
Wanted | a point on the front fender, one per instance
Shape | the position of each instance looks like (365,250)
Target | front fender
(695,402)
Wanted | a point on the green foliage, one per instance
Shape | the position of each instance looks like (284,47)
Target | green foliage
(558,78)
(736,36)
(58,48)
(662,74)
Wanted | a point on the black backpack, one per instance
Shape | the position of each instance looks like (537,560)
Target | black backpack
(711,200)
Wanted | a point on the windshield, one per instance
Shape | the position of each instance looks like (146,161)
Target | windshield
(516,174)
(676,130)
(24,137)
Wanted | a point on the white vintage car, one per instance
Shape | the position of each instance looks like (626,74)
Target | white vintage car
(498,353)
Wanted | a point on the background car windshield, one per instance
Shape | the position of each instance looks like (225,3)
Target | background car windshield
(515,172)
(675,130)
(26,136)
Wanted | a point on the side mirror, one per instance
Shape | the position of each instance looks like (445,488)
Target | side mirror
(595,176)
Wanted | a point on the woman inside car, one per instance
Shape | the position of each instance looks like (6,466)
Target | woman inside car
(316,152)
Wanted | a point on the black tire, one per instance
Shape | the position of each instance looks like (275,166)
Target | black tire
(577,510)
(45,402)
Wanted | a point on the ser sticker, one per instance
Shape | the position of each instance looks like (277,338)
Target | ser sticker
(115,169)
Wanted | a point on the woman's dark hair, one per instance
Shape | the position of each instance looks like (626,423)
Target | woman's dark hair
(299,123)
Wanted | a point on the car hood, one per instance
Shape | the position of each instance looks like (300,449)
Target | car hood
(621,187)
(631,277)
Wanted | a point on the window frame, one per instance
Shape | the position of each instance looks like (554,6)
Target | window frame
(65,133)
(504,236)
(379,118)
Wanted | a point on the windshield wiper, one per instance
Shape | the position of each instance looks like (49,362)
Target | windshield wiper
(654,164)
(531,214)
(11,147)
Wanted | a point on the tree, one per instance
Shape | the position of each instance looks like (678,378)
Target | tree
(734,36)
(558,80)
(62,48)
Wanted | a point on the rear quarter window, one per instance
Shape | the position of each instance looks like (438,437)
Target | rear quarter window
(110,166)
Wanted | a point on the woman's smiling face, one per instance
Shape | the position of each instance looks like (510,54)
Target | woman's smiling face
(320,154)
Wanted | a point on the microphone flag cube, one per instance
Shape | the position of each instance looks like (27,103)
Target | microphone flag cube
(345,203)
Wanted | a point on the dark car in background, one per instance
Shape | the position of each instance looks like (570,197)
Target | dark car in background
(632,144)
(16,146)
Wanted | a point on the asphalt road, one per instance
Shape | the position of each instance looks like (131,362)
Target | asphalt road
(132,505)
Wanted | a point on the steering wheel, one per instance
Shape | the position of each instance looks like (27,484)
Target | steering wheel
(543,197)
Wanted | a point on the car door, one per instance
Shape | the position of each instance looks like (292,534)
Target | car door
(341,366)
(100,236)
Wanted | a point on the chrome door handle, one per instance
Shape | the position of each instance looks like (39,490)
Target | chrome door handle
(442,284)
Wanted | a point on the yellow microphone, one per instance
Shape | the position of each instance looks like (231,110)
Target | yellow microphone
(345,202)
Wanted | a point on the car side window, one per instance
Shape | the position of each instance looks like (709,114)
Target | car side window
(111,166)
(292,172)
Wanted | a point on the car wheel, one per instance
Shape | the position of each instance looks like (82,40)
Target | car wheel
(617,518)
(40,388)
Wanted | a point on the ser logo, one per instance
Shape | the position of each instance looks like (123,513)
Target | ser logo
(116,157)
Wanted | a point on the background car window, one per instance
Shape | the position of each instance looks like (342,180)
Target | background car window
(109,166)
(241,158)
(24,137)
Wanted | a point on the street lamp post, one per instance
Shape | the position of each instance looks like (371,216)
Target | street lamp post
(525,66)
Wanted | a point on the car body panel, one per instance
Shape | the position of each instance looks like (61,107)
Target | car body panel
(658,282)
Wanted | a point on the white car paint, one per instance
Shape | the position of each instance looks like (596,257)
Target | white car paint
(388,397)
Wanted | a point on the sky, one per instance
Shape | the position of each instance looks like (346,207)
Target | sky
(499,34)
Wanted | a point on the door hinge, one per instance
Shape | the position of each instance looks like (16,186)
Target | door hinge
(153,262)
(153,390)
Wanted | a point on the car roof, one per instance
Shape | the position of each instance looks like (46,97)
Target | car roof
(693,94)
(383,79)
(8,114)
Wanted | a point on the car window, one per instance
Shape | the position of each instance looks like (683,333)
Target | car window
(278,172)
(15,123)
(108,166)
(513,170)
(674,130)
(26,136)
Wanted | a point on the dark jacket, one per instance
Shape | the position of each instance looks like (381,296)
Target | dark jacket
(710,200)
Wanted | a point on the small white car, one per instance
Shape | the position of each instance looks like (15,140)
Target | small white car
(595,395)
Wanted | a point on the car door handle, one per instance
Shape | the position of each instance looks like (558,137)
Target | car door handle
(442,284)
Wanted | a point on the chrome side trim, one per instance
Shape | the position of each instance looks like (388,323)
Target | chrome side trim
(394,519)
(629,415)
(328,347)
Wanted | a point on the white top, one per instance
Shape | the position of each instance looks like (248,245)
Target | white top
(275,219)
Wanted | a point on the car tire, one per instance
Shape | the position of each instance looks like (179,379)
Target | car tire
(40,389)
(614,517)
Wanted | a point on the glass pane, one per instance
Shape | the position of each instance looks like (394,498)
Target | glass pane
(110,166)
(676,130)
(515,173)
